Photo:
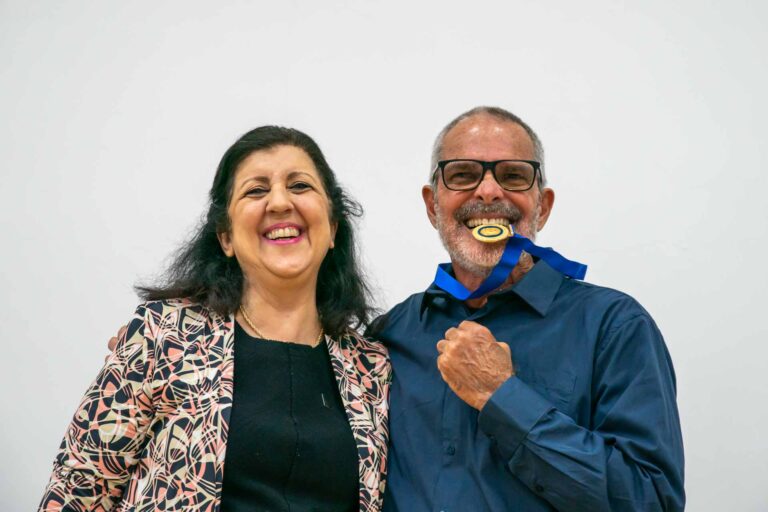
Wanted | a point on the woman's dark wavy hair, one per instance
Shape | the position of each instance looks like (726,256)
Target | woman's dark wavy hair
(201,271)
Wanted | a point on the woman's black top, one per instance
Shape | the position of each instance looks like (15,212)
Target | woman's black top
(290,446)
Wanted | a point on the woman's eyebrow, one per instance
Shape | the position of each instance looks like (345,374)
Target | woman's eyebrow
(258,179)
(295,174)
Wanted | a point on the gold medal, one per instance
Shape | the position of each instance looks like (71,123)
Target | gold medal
(490,233)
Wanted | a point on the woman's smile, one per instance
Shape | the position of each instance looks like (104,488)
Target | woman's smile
(284,233)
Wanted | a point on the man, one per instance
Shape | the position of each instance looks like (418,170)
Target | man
(547,394)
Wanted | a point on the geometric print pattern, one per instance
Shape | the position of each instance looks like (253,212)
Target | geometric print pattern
(151,431)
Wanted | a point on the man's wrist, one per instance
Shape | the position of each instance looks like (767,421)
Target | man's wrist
(510,413)
(485,397)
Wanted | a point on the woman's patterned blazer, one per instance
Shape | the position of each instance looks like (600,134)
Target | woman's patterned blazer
(151,431)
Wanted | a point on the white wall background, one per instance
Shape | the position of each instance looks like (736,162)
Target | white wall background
(113,116)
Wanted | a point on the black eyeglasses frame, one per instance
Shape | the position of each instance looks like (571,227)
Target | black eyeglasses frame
(488,166)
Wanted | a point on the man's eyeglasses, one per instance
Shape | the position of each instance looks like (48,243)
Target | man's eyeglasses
(511,175)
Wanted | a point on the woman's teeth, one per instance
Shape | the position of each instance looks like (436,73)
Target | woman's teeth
(282,233)
(473,223)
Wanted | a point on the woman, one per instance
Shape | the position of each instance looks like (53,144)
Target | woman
(299,418)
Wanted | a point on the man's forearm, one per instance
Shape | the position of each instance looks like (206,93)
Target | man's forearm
(576,469)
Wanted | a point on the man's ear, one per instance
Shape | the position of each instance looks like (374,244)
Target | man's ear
(428,194)
(225,240)
(546,202)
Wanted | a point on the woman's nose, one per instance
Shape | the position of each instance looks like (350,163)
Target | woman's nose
(279,200)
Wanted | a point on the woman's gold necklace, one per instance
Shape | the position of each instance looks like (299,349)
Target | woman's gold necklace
(258,332)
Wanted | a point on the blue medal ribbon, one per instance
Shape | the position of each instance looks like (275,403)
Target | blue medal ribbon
(516,244)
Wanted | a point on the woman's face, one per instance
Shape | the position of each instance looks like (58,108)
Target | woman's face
(279,216)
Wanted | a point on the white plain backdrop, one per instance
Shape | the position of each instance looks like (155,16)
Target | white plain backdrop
(113,116)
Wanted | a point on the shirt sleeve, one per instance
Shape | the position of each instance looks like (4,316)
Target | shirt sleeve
(630,457)
(109,427)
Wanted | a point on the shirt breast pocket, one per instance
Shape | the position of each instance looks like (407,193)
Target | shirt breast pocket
(556,386)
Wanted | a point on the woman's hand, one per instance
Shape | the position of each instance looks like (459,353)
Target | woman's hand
(112,343)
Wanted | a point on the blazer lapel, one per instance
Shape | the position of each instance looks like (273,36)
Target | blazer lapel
(343,358)
(222,359)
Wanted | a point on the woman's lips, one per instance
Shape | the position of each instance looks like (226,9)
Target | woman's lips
(289,231)
(285,241)
(284,233)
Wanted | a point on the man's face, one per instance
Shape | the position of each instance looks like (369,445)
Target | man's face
(484,137)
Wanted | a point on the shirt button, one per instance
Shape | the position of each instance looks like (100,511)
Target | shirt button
(538,488)
(450,450)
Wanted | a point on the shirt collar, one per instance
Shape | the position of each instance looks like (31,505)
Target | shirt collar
(537,288)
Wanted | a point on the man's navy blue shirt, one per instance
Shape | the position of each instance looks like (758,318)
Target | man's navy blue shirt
(588,422)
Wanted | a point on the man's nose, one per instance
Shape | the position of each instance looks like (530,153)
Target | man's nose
(489,189)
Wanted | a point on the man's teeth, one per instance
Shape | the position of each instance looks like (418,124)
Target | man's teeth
(282,233)
(473,223)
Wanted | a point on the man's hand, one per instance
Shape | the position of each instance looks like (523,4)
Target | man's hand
(524,264)
(112,343)
(473,363)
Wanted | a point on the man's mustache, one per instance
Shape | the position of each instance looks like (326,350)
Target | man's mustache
(472,210)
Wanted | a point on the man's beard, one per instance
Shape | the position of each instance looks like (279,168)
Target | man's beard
(479,258)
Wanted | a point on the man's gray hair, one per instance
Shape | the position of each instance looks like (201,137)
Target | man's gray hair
(500,113)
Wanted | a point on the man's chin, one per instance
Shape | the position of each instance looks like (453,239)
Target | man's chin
(472,256)
(479,263)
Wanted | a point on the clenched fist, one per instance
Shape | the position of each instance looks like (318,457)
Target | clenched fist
(473,363)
